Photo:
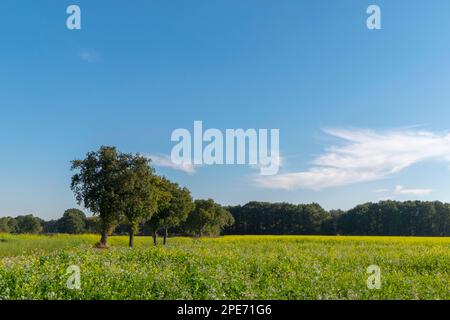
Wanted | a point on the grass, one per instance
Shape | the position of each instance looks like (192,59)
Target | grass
(233,267)
(14,245)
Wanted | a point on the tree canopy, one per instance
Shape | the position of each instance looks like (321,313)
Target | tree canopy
(98,185)
(139,193)
(73,221)
(175,204)
(28,224)
(208,218)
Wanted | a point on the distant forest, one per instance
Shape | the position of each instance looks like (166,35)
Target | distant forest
(385,218)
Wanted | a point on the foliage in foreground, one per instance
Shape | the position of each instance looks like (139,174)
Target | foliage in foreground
(293,267)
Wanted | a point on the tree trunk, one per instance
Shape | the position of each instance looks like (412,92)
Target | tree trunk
(155,241)
(131,243)
(166,232)
(104,238)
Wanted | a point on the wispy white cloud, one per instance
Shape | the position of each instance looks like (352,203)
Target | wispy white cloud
(89,55)
(400,190)
(165,161)
(366,155)
(277,161)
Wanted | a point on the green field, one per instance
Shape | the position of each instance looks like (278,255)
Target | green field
(233,267)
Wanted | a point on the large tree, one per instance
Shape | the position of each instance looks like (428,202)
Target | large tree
(208,218)
(139,193)
(174,205)
(8,225)
(73,221)
(98,186)
(28,224)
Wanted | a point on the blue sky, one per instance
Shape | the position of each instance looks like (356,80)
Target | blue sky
(363,114)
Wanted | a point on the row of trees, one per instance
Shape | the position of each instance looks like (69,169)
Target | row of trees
(410,218)
(389,218)
(205,217)
(21,224)
(73,221)
(278,219)
(122,188)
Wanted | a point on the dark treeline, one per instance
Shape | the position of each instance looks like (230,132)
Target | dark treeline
(205,218)
(386,218)
(278,218)
(390,218)
(73,221)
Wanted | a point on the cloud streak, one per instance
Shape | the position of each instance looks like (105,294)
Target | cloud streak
(366,155)
(89,55)
(400,190)
(166,162)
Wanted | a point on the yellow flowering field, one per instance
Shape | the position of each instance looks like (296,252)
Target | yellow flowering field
(231,267)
